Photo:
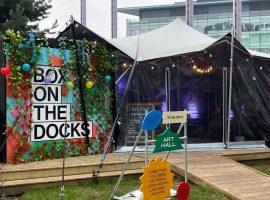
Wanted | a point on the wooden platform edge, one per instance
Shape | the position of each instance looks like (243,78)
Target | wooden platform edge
(245,155)
(12,188)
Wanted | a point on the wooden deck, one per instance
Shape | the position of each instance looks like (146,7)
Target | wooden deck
(216,169)
(230,177)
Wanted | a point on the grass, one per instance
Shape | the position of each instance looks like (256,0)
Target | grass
(262,166)
(263,169)
(102,191)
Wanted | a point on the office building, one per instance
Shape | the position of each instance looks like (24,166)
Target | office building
(211,17)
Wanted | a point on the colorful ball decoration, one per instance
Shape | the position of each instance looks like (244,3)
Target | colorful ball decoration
(108,79)
(26,67)
(5,71)
(89,84)
(70,85)
(47,79)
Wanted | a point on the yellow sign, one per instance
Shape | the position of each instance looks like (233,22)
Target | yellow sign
(175,117)
(157,180)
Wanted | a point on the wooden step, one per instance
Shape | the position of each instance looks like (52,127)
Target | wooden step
(74,166)
(17,187)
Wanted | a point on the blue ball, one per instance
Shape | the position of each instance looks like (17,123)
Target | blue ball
(26,67)
(108,79)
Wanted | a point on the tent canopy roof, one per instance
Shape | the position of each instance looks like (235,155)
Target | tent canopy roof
(173,39)
(176,38)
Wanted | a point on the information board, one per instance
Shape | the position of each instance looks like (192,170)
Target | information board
(135,114)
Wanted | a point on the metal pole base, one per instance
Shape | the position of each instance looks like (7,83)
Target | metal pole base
(61,196)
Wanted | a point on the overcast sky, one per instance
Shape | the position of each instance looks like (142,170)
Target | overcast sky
(98,14)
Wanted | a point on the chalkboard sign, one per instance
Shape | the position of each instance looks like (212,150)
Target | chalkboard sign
(135,115)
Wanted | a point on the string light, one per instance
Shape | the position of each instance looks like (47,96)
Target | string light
(125,65)
(202,63)
(207,70)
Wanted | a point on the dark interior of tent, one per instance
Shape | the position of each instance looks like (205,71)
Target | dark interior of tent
(199,83)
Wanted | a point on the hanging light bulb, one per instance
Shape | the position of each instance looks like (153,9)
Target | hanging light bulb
(194,66)
(125,65)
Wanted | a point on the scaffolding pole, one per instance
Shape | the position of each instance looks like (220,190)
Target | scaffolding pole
(83,12)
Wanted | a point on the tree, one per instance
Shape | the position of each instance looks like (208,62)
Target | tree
(23,15)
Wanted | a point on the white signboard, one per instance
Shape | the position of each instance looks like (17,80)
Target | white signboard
(175,117)
(50,116)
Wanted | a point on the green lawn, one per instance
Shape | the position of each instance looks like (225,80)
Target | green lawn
(103,190)
(263,167)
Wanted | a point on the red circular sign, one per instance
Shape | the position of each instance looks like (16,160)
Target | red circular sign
(183,191)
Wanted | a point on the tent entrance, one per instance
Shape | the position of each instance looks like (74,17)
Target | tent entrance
(194,86)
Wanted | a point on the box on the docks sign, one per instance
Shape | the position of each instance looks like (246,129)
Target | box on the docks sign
(50,113)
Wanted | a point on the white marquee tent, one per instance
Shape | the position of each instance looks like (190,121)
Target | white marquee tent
(179,40)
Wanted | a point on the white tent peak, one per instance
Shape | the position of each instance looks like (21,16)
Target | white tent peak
(172,39)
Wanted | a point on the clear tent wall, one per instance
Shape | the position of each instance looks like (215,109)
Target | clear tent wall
(197,84)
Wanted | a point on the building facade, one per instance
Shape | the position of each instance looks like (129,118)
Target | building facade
(211,17)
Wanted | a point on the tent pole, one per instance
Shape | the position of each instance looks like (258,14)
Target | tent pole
(231,72)
(224,107)
(168,90)
(124,73)
(95,174)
